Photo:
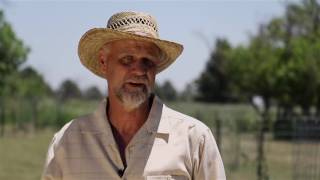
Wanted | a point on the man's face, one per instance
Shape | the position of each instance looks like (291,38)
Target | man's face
(130,68)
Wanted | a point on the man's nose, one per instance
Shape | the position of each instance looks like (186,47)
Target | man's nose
(139,68)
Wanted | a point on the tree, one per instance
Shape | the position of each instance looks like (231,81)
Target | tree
(12,54)
(281,62)
(68,90)
(158,90)
(28,88)
(302,24)
(213,85)
(169,92)
(92,93)
(166,91)
(189,93)
(30,84)
(12,51)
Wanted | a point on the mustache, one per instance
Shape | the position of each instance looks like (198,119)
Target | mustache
(138,79)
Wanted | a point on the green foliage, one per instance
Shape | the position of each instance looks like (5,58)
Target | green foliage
(12,54)
(92,93)
(213,84)
(280,62)
(12,51)
(189,93)
(166,91)
(68,90)
(299,78)
(27,83)
(251,69)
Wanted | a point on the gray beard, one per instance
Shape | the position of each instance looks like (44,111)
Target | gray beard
(133,99)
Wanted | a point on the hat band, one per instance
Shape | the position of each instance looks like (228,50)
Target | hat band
(142,33)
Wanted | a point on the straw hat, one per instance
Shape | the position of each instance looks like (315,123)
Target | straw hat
(125,25)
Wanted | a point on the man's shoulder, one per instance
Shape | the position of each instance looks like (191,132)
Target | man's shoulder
(178,120)
(76,125)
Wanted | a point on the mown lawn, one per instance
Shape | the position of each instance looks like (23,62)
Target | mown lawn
(279,158)
(22,156)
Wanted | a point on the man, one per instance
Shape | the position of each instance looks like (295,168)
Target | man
(132,135)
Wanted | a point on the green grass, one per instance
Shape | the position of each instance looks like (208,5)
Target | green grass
(278,158)
(22,157)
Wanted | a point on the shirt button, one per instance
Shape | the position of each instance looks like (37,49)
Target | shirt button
(120,172)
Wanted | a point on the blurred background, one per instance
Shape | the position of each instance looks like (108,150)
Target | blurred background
(250,70)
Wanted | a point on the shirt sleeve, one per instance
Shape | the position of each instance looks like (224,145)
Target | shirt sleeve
(51,169)
(207,160)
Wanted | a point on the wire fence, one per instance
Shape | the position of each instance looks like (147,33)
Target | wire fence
(292,152)
(291,146)
(306,151)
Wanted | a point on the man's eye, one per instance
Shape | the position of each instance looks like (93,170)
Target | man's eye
(126,60)
(148,63)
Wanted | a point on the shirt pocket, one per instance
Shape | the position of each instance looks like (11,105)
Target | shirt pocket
(159,177)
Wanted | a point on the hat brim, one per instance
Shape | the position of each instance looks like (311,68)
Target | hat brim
(91,42)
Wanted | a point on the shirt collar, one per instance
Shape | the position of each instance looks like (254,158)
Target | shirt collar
(155,122)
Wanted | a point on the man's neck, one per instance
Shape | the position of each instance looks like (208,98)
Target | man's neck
(127,123)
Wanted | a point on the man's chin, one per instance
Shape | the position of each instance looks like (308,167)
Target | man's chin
(133,100)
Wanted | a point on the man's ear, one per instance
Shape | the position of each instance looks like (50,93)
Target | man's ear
(102,61)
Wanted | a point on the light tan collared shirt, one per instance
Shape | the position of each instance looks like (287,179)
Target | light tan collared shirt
(169,145)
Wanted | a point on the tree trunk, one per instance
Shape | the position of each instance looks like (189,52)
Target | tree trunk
(2,120)
(262,169)
(318,107)
(306,111)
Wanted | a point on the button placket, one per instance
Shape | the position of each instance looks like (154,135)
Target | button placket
(129,153)
(116,157)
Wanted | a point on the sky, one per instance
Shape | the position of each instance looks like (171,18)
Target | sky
(52,30)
